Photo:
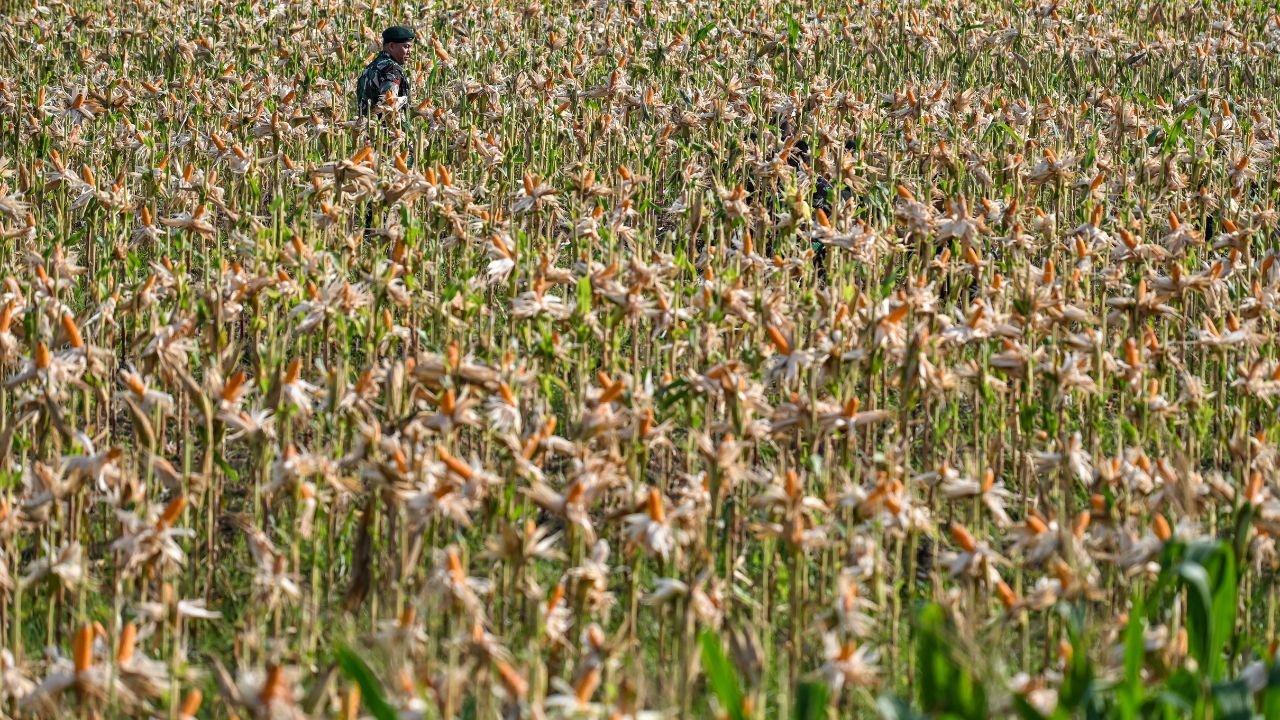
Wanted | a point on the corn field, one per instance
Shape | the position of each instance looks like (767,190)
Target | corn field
(842,358)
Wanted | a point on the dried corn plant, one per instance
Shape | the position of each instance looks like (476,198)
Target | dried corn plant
(741,360)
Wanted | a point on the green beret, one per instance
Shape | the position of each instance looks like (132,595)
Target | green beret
(398,34)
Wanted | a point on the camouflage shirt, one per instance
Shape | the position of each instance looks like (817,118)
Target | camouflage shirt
(381,75)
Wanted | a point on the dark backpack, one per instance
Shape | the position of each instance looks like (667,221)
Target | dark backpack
(367,88)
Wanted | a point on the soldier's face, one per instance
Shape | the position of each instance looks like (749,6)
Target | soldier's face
(399,51)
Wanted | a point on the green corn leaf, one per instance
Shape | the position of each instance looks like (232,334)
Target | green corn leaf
(947,687)
(1225,591)
(1129,693)
(584,296)
(811,701)
(793,31)
(1271,696)
(1209,569)
(721,676)
(1133,647)
(1013,134)
(702,33)
(1182,690)
(1199,604)
(370,689)
(226,469)
(1078,680)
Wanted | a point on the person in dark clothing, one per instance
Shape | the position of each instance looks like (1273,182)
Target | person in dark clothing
(386,72)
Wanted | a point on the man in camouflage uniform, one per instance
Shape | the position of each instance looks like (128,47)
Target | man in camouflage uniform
(386,72)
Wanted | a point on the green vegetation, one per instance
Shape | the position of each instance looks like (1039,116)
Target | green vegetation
(746,360)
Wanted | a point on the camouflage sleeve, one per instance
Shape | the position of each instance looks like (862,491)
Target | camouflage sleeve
(390,78)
